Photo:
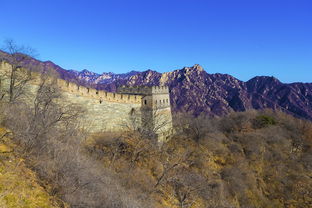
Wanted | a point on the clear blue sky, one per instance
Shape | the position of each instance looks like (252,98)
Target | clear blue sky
(243,38)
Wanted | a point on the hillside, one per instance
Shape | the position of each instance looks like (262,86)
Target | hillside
(245,160)
(20,186)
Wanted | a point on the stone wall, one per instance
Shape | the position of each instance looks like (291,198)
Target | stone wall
(106,111)
(105,115)
(99,95)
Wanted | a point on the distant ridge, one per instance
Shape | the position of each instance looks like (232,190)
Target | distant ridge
(192,89)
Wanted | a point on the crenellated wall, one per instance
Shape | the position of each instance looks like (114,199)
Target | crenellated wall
(144,90)
(99,95)
(106,111)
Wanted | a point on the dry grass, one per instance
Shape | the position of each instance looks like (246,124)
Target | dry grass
(19,185)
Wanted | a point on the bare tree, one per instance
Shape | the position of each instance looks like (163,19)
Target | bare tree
(108,144)
(186,186)
(40,114)
(155,122)
(170,162)
(18,57)
(147,123)
(195,128)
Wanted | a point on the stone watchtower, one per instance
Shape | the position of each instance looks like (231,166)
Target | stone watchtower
(155,109)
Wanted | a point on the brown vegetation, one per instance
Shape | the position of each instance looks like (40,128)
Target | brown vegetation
(250,159)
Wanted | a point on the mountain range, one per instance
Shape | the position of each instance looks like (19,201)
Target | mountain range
(194,90)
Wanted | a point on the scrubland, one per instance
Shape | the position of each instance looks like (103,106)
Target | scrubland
(252,159)
(249,159)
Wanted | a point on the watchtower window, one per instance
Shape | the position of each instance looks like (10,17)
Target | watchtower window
(100,101)
(145,102)
(164,100)
(156,102)
(160,101)
(97,92)
(167,100)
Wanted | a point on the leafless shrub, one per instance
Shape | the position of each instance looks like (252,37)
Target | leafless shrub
(184,187)
(17,77)
(237,122)
(195,128)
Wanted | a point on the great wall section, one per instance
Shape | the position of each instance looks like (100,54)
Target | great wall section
(144,108)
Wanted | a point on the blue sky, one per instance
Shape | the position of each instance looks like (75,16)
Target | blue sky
(243,38)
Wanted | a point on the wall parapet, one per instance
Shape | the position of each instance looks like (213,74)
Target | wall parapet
(143,90)
(100,95)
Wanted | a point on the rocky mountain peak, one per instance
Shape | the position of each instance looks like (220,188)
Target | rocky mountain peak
(265,79)
(194,69)
(88,73)
(198,67)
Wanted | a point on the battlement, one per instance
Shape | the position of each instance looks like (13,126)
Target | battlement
(100,95)
(143,90)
